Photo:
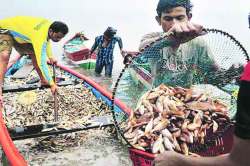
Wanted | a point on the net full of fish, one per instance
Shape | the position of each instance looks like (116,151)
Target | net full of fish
(173,118)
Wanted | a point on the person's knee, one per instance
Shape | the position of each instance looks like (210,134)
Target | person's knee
(5,55)
(108,70)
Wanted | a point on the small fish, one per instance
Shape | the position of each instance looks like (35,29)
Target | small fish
(158,145)
(176,145)
(168,145)
(154,94)
(185,124)
(161,125)
(149,127)
(192,126)
(148,105)
(188,96)
(215,126)
(166,133)
(159,103)
(184,149)
(141,109)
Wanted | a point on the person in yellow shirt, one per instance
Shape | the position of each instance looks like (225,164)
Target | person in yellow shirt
(30,36)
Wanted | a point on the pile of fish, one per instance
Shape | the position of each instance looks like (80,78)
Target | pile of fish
(174,118)
(76,106)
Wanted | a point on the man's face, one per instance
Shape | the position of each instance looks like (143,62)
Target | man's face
(55,36)
(172,16)
(107,38)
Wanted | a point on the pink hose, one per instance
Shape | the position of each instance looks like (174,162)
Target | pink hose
(13,156)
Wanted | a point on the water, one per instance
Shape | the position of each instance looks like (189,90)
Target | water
(127,90)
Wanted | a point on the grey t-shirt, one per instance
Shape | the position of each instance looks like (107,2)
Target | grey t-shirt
(184,66)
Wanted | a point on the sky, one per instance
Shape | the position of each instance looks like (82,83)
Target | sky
(132,18)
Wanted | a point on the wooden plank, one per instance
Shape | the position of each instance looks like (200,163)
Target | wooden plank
(35,131)
(27,87)
(24,71)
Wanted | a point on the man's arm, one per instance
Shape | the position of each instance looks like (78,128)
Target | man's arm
(52,60)
(40,48)
(119,40)
(148,39)
(93,48)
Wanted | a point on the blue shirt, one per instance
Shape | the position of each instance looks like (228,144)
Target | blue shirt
(105,54)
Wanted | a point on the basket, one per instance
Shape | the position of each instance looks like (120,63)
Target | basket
(214,147)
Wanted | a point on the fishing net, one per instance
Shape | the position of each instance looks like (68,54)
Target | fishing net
(209,65)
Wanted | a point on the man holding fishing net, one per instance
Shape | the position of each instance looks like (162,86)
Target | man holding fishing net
(30,36)
(184,55)
(239,155)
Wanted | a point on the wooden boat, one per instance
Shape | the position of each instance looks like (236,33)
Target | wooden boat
(12,153)
(141,76)
(139,73)
(78,54)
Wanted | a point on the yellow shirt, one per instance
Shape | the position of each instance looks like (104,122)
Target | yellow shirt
(32,30)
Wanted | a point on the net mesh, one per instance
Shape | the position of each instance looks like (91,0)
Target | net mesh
(211,64)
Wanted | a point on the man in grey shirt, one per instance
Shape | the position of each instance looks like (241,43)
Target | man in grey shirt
(239,155)
(185,59)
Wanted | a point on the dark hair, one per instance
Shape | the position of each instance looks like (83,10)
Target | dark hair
(58,26)
(165,5)
(110,32)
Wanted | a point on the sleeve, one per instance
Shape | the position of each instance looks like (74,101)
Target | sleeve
(49,52)
(119,40)
(40,48)
(205,57)
(242,126)
(148,39)
(94,45)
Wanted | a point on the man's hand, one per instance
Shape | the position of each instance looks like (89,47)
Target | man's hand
(169,158)
(54,88)
(127,59)
(52,61)
(185,31)
(122,53)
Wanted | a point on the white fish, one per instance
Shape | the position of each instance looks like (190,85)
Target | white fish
(149,127)
(167,133)
(158,145)
(215,126)
(168,145)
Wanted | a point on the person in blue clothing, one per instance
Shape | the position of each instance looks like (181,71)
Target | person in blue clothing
(104,46)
